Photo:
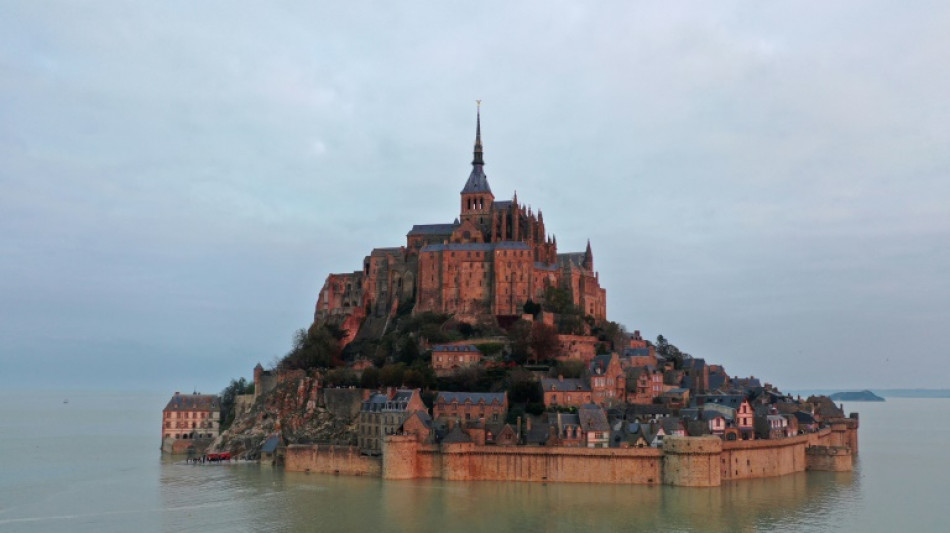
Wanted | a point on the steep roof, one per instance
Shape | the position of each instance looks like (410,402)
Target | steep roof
(271,444)
(432,229)
(567,384)
(477,181)
(456,435)
(200,402)
(474,397)
(475,246)
(592,418)
(454,348)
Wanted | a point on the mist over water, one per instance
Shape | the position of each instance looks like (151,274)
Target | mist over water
(94,465)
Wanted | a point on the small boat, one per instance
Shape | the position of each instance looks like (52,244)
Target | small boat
(66,400)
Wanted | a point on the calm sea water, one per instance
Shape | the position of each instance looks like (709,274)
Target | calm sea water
(94,465)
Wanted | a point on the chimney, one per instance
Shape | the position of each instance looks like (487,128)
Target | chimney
(560,377)
(519,428)
(528,423)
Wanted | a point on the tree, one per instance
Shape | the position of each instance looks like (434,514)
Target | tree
(543,342)
(523,388)
(519,339)
(229,396)
(392,375)
(531,308)
(370,378)
(569,368)
(316,348)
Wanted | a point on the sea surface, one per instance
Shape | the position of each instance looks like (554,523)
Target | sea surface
(93,464)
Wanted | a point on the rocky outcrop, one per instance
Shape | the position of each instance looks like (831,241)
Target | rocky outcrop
(297,411)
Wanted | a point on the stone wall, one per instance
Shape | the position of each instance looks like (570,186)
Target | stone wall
(403,458)
(185,446)
(828,458)
(683,461)
(746,459)
(692,461)
(329,459)
(343,403)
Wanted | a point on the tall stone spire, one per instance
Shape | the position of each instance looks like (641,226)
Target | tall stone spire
(477,182)
(477,160)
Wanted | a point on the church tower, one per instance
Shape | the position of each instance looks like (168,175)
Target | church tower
(477,197)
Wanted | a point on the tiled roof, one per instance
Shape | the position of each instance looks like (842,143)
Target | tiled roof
(454,348)
(456,435)
(575,259)
(475,246)
(271,444)
(200,402)
(477,181)
(636,352)
(593,418)
(432,229)
(474,397)
(567,384)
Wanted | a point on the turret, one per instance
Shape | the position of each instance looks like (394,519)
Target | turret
(588,258)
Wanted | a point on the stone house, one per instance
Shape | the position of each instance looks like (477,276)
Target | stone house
(419,424)
(569,432)
(447,359)
(644,384)
(501,434)
(577,347)
(466,406)
(608,382)
(771,426)
(676,398)
(191,416)
(745,420)
(565,392)
(594,425)
(384,414)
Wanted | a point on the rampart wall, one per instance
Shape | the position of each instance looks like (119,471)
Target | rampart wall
(746,459)
(329,459)
(683,461)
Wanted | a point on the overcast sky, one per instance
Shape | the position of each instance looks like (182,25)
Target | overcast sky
(765,184)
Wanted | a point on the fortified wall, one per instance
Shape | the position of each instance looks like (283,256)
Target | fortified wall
(683,461)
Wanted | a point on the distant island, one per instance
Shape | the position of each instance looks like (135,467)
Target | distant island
(862,396)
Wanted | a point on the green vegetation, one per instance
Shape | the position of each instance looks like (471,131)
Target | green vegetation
(229,395)
(318,347)
(671,352)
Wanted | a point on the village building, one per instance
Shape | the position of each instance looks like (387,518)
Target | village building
(638,352)
(644,384)
(191,416)
(593,422)
(449,358)
(565,392)
(418,424)
(464,406)
(577,347)
(384,414)
(501,434)
(608,383)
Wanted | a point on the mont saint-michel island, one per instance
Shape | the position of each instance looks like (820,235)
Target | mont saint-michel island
(478,350)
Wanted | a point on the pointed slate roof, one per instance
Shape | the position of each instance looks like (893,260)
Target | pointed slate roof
(477,181)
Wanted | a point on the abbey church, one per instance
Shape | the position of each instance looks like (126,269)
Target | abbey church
(489,262)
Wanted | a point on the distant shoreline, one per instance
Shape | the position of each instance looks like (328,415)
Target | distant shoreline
(886,393)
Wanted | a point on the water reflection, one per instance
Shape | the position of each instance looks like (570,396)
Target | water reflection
(248,497)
